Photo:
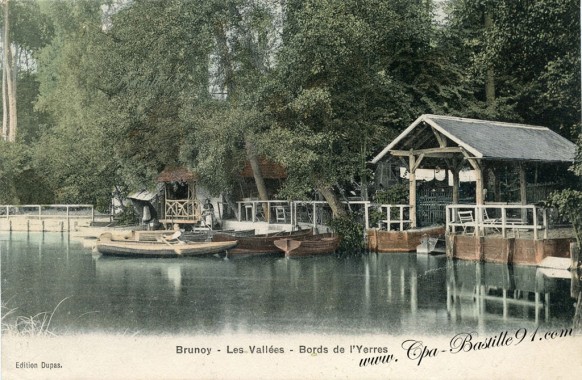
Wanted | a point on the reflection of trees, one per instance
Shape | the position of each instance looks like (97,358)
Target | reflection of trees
(373,293)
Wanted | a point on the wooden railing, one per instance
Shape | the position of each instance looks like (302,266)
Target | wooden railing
(65,211)
(395,215)
(181,209)
(498,218)
(253,210)
(293,212)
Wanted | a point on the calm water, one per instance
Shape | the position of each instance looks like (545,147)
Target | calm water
(372,293)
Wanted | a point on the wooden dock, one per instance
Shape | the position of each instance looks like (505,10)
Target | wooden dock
(46,218)
(522,248)
(400,241)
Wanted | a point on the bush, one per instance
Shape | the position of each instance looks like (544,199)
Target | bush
(351,232)
(568,202)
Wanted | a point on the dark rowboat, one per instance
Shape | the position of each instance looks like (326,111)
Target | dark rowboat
(322,244)
(131,247)
(258,244)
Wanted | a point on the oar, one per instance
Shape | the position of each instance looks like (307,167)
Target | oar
(178,251)
(174,236)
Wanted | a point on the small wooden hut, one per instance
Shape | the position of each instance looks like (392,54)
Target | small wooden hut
(180,205)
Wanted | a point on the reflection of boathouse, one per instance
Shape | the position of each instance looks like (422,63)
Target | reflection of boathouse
(487,292)
(500,221)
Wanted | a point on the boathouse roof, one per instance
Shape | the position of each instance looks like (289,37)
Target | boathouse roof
(177,174)
(441,136)
(143,195)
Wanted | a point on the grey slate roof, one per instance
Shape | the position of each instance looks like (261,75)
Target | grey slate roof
(495,140)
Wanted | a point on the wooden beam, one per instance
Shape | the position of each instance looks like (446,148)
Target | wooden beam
(440,138)
(429,152)
(418,162)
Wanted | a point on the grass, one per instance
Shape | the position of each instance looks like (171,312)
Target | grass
(36,325)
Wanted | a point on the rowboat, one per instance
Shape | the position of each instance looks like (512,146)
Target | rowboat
(322,244)
(258,244)
(432,245)
(169,246)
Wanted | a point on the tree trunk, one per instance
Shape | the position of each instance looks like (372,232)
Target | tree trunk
(259,180)
(490,74)
(9,76)
(333,201)
(4,98)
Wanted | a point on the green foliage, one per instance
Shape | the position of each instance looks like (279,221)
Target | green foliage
(349,74)
(533,55)
(397,194)
(75,149)
(569,203)
(114,93)
(394,195)
(127,217)
(13,164)
(351,231)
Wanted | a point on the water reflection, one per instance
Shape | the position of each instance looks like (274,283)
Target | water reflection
(374,293)
(512,294)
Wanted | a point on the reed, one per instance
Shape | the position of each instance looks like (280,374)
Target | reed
(36,325)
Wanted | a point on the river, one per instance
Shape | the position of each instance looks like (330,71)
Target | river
(349,294)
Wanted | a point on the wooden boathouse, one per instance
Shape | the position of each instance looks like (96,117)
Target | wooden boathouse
(495,220)
(179,203)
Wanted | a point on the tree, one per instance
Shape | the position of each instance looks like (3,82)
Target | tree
(532,54)
(350,75)
(75,151)
(156,63)
(9,120)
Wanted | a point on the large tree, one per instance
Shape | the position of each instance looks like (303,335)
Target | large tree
(75,151)
(350,75)
(244,43)
(523,58)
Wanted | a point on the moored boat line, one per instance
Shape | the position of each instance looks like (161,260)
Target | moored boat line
(256,245)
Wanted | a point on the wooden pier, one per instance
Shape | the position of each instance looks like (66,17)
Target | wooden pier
(46,218)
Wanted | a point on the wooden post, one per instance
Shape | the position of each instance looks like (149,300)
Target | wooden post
(314,217)
(455,176)
(479,186)
(366,205)
(479,201)
(522,192)
(574,256)
(412,189)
